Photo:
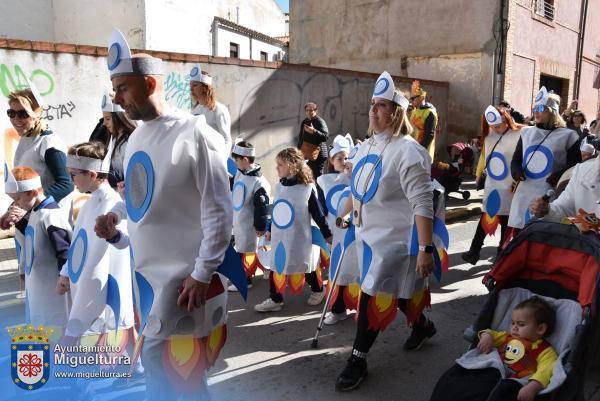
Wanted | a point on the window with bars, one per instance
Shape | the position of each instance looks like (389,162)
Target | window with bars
(234,50)
(545,8)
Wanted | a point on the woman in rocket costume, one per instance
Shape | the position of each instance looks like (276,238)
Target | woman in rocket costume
(335,188)
(391,192)
(206,104)
(97,274)
(499,145)
(542,154)
(179,219)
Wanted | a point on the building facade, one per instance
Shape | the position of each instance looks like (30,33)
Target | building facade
(209,27)
(487,50)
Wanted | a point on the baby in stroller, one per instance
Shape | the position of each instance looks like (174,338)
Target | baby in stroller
(528,360)
(559,265)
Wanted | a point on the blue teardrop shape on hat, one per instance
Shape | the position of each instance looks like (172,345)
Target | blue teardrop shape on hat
(280,257)
(492,204)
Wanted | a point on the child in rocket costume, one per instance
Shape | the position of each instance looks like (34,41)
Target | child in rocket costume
(335,188)
(542,154)
(391,193)
(179,220)
(47,235)
(499,144)
(295,204)
(250,198)
(98,275)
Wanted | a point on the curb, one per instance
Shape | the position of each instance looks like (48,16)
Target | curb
(462,213)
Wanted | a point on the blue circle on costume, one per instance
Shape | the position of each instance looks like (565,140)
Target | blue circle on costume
(238,195)
(549,161)
(283,206)
(491,117)
(194,72)
(114,56)
(497,156)
(139,158)
(353,152)
(29,248)
(336,189)
(76,267)
(370,193)
(342,200)
(378,86)
(539,96)
(492,203)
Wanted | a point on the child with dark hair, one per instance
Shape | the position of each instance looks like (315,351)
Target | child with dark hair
(250,195)
(527,357)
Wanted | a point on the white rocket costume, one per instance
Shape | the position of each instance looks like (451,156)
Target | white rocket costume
(499,151)
(336,189)
(544,153)
(245,186)
(390,177)
(582,192)
(99,274)
(219,118)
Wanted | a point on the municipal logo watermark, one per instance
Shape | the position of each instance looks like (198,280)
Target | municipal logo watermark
(30,356)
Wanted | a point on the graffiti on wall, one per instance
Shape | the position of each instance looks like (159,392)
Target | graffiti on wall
(15,78)
(177,90)
(60,111)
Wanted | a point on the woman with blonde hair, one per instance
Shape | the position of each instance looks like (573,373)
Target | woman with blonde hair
(38,148)
(204,100)
(544,152)
(392,194)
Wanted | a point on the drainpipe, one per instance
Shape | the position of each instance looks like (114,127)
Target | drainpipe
(500,60)
(215,38)
(581,37)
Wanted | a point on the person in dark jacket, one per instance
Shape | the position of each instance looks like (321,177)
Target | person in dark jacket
(312,139)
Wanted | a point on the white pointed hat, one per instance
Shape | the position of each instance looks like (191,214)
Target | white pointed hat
(341,143)
(493,116)
(543,99)
(36,93)
(197,75)
(108,105)
(120,61)
(12,186)
(384,88)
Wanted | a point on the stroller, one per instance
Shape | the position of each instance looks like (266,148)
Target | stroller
(449,176)
(558,262)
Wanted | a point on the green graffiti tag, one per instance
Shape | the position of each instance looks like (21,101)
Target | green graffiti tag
(16,79)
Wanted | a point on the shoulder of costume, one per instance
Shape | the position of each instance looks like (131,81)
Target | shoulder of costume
(46,132)
(49,141)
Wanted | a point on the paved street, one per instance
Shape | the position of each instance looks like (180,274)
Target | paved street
(268,357)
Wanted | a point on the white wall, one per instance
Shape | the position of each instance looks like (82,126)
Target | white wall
(258,46)
(27,19)
(263,16)
(225,37)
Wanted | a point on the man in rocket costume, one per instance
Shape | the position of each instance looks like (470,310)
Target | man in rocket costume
(179,212)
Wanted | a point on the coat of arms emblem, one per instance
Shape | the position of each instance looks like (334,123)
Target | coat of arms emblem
(30,356)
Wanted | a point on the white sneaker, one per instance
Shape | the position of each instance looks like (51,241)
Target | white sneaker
(233,288)
(268,305)
(333,318)
(316,298)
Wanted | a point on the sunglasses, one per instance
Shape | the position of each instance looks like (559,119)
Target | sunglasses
(539,108)
(22,114)
(310,109)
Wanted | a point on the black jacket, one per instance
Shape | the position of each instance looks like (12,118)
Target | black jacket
(320,136)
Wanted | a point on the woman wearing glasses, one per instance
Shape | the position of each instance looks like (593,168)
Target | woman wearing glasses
(38,148)
(542,154)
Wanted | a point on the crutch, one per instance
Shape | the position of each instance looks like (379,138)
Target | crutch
(348,238)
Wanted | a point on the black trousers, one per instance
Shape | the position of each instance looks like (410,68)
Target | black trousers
(479,236)
(460,384)
(365,338)
(339,306)
(316,166)
(311,279)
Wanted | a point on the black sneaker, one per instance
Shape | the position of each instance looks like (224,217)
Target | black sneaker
(419,335)
(352,375)
(470,256)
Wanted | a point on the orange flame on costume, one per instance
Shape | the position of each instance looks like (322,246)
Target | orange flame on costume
(351,295)
(214,342)
(319,273)
(490,224)
(184,362)
(250,263)
(296,282)
(279,281)
(416,305)
(336,293)
(444,259)
(324,259)
(382,310)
